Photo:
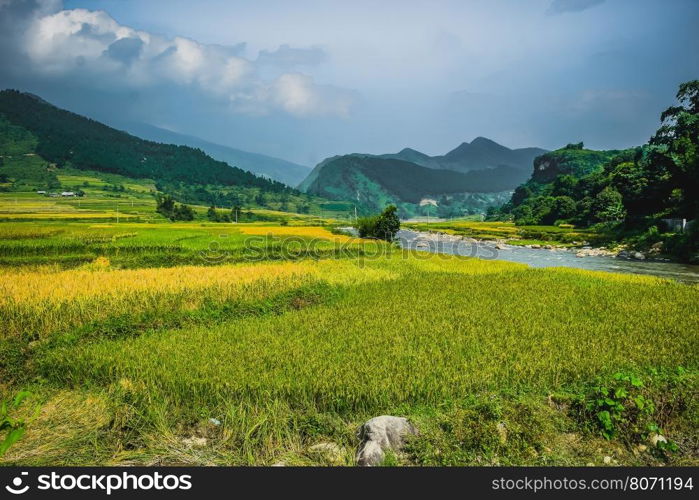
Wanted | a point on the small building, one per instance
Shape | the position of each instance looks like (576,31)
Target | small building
(41,192)
(68,194)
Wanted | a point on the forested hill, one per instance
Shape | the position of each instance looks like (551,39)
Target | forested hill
(628,192)
(68,139)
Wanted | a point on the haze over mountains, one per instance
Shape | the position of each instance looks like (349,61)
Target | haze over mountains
(274,168)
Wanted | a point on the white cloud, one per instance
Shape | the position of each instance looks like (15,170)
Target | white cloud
(297,94)
(84,44)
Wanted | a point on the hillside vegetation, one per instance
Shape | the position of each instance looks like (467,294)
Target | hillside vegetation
(626,192)
(46,148)
(376,182)
(65,138)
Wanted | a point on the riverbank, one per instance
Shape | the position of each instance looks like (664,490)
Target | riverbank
(619,260)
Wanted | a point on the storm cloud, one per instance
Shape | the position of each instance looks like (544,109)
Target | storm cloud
(304,80)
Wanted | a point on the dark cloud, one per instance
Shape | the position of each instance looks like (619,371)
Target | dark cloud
(562,6)
(125,50)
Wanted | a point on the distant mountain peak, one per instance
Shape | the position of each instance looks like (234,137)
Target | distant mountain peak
(484,140)
(409,150)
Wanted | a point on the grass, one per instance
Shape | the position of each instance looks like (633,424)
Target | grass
(408,334)
(132,336)
(540,235)
(72,244)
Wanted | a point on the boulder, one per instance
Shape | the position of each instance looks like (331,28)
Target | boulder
(381,434)
(638,256)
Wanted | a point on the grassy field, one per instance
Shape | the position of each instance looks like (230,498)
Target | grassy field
(512,234)
(213,344)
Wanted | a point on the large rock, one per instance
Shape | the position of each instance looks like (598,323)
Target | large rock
(381,434)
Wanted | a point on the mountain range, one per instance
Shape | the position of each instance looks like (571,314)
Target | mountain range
(405,178)
(479,154)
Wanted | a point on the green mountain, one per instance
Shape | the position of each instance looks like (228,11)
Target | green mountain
(483,153)
(268,166)
(482,166)
(377,181)
(67,139)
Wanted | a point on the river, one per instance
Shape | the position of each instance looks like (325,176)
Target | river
(432,242)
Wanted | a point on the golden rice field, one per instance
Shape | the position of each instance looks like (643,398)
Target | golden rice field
(132,337)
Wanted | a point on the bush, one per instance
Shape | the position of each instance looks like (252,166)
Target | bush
(633,409)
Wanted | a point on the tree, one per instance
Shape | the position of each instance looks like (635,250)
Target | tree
(383,226)
(677,142)
(165,205)
(388,223)
(184,212)
(211,214)
(521,194)
(608,205)
(563,207)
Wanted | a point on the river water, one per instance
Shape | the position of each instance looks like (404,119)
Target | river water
(545,258)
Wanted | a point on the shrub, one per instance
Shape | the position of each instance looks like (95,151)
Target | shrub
(628,408)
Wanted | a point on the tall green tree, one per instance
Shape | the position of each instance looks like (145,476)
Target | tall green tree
(677,149)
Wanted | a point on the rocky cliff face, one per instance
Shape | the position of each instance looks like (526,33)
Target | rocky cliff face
(569,161)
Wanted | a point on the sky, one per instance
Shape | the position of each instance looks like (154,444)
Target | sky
(309,79)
